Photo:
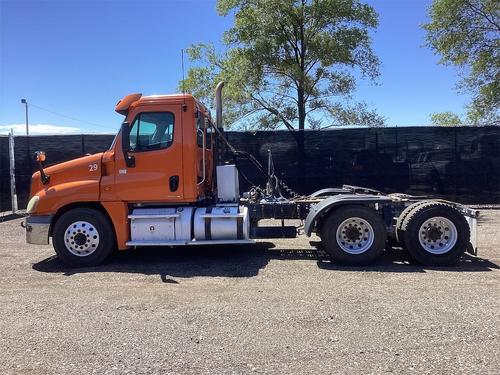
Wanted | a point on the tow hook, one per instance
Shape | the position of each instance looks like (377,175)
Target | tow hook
(28,228)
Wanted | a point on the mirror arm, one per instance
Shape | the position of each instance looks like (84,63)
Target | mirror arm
(45,178)
(39,158)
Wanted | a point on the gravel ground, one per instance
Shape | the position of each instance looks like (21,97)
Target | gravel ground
(271,308)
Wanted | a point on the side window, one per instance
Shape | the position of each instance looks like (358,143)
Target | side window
(152,131)
(199,130)
(209,135)
(200,124)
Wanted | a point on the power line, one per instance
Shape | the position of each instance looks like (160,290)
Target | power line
(71,118)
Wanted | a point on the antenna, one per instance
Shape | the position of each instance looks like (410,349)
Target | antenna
(184,107)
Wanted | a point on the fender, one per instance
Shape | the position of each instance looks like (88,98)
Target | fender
(329,191)
(319,209)
(60,195)
(118,213)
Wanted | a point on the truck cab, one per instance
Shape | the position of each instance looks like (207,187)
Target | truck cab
(163,153)
(162,158)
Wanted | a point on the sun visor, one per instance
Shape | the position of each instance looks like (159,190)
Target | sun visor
(123,105)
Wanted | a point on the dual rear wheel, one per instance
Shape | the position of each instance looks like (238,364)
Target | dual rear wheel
(433,233)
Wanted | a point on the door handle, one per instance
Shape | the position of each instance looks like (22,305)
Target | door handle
(173,183)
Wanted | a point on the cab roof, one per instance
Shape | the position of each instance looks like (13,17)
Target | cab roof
(123,106)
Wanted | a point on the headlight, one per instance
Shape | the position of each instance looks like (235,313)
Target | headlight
(32,204)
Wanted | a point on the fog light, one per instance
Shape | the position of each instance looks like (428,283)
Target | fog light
(32,204)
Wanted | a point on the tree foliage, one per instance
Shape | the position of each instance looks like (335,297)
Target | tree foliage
(287,63)
(446,119)
(466,34)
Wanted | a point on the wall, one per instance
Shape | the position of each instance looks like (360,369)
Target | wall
(4,174)
(57,147)
(459,163)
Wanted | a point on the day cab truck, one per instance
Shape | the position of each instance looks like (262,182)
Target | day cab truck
(163,183)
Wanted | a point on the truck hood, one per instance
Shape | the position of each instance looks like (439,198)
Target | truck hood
(87,168)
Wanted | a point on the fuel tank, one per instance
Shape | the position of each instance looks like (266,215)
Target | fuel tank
(227,222)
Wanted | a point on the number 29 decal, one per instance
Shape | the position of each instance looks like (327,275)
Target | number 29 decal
(93,167)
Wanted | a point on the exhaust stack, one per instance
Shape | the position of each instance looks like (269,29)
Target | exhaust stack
(218,104)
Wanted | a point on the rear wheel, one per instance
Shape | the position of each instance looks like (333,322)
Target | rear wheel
(435,233)
(399,223)
(354,235)
(83,237)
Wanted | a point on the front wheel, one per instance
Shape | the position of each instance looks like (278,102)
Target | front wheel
(83,237)
(354,235)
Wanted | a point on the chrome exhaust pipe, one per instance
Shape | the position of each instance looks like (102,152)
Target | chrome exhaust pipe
(218,104)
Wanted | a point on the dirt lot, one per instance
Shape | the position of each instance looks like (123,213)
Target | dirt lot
(272,308)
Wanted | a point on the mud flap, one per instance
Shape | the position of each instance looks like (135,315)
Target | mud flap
(472,247)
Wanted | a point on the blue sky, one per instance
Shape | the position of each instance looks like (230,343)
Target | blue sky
(78,58)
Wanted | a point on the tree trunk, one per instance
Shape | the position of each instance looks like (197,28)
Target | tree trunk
(302,122)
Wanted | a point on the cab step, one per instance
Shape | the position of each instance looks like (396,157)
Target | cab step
(189,243)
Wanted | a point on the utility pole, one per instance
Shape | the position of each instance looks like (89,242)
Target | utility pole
(12,164)
(23,101)
(28,151)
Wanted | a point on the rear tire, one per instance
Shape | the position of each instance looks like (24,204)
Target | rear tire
(436,234)
(399,223)
(83,237)
(354,235)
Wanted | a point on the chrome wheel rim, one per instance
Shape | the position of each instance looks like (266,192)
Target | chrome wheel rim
(438,235)
(355,235)
(81,238)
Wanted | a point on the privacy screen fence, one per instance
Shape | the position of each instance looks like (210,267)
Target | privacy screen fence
(457,163)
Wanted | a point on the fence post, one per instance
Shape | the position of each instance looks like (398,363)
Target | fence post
(12,163)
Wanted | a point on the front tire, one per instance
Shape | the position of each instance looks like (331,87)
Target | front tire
(83,237)
(354,235)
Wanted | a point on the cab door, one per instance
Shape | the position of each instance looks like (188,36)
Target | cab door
(156,145)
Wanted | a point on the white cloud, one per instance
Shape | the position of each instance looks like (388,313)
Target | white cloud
(39,129)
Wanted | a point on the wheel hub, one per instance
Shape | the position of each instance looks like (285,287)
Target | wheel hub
(355,235)
(438,235)
(352,233)
(81,238)
(434,233)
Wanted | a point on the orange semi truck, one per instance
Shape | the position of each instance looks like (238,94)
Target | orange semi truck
(162,183)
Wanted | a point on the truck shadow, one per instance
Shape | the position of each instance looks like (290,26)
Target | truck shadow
(242,261)
(182,262)
(397,260)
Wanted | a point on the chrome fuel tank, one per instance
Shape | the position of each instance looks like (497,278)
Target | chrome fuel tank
(225,222)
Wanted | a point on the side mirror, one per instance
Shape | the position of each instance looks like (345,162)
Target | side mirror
(125,130)
(40,158)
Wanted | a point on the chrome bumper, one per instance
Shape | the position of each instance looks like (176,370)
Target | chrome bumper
(37,229)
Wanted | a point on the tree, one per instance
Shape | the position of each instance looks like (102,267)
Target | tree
(446,119)
(286,61)
(466,34)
